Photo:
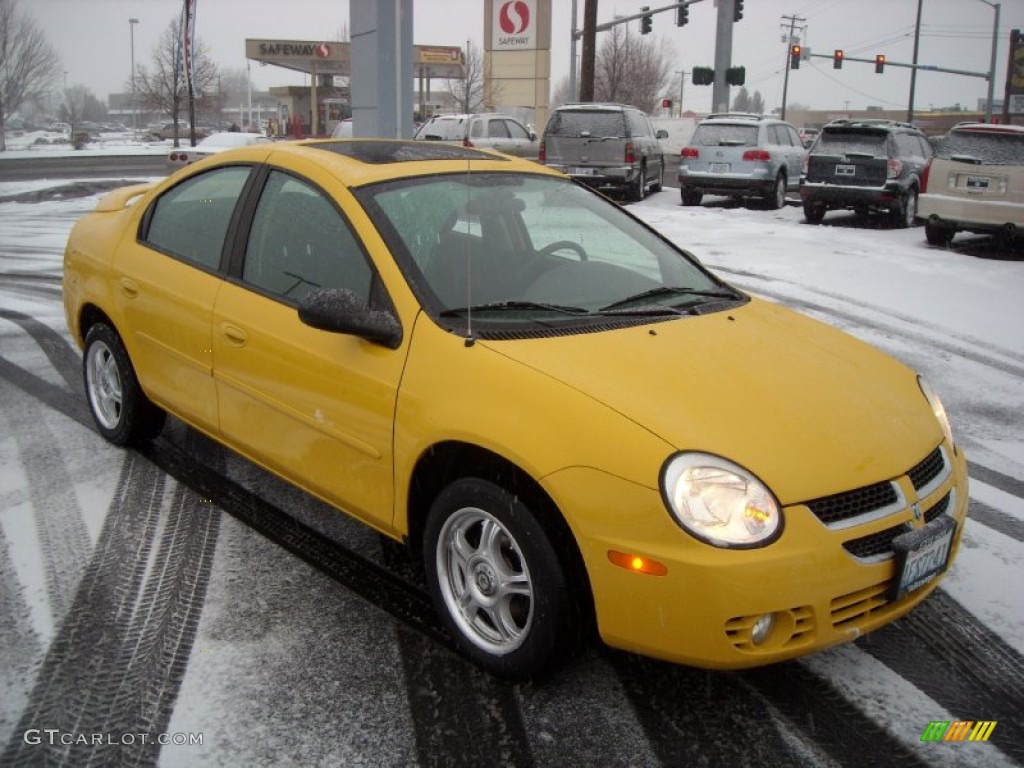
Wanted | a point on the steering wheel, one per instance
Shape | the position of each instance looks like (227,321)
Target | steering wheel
(536,265)
(558,245)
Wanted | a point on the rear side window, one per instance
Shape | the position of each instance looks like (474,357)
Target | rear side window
(986,148)
(845,142)
(442,130)
(191,220)
(581,123)
(637,124)
(724,135)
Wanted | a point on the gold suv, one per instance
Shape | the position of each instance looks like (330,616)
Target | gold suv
(567,417)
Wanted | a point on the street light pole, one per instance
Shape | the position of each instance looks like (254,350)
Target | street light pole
(135,114)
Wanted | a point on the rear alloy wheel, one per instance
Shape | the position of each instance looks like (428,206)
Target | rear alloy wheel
(814,212)
(777,197)
(496,580)
(906,211)
(123,414)
(691,197)
(938,234)
(636,194)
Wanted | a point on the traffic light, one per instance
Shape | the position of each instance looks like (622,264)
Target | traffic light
(736,75)
(837,59)
(737,10)
(794,56)
(703,76)
(682,15)
(646,22)
(879,63)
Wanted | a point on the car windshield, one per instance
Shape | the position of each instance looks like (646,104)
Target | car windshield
(851,142)
(523,247)
(724,134)
(582,123)
(985,146)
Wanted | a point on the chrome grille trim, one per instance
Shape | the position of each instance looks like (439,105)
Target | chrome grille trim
(931,473)
(888,493)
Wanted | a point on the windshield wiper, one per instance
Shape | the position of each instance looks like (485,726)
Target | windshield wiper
(667,290)
(514,305)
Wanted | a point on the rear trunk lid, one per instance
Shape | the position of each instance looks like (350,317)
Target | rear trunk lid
(586,139)
(852,157)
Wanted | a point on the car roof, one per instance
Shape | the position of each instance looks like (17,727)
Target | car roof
(987,128)
(357,162)
(595,106)
(871,122)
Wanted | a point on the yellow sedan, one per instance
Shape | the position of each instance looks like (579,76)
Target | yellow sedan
(575,424)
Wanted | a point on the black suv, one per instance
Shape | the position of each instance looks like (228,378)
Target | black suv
(866,165)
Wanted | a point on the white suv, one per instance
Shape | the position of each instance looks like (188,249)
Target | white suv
(741,155)
(488,130)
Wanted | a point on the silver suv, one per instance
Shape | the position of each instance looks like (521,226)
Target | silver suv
(607,146)
(487,130)
(741,155)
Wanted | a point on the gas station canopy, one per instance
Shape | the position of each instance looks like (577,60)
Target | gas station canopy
(333,58)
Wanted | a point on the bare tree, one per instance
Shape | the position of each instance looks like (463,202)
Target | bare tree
(468,91)
(631,69)
(29,65)
(742,101)
(165,90)
(562,94)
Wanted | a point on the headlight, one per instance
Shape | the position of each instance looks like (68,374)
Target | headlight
(719,502)
(937,409)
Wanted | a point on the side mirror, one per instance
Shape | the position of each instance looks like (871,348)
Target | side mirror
(661,134)
(339,310)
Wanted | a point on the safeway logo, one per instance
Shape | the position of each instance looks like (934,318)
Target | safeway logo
(323,50)
(514,17)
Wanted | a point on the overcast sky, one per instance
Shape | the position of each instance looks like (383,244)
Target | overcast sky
(93,39)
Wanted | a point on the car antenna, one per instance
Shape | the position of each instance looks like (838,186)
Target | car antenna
(470,341)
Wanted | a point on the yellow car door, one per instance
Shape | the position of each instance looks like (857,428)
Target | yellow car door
(167,281)
(314,406)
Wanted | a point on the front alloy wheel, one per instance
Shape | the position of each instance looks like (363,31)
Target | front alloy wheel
(495,578)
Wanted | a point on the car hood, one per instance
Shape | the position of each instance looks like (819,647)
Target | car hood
(810,410)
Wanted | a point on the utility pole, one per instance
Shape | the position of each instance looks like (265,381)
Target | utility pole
(589,50)
(723,55)
(789,39)
(913,71)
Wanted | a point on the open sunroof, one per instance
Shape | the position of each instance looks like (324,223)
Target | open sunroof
(380,152)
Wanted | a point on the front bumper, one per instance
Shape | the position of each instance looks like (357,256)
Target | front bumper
(703,610)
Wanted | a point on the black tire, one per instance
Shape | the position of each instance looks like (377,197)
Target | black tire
(905,213)
(776,198)
(814,212)
(690,197)
(660,183)
(639,189)
(123,414)
(514,633)
(937,234)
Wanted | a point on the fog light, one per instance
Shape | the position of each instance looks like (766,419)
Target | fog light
(762,628)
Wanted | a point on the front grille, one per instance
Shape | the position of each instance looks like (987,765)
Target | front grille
(859,605)
(928,469)
(939,508)
(876,545)
(842,506)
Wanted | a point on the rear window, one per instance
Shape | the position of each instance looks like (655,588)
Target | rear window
(723,134)
(442,130)
(581,123)
(845,142)
(987,148)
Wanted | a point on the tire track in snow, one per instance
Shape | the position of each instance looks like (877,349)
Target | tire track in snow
(949,655)
(58,350)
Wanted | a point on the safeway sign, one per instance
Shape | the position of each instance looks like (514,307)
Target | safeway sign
(514,26)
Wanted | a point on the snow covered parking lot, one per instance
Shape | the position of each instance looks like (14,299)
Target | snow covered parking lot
(182,591)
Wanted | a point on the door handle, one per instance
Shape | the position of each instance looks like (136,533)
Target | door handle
(129,287)
(235,335)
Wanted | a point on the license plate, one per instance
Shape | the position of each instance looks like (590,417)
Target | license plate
(922,555)
(719,167)
(977,182)
(583,171)
(846,170)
